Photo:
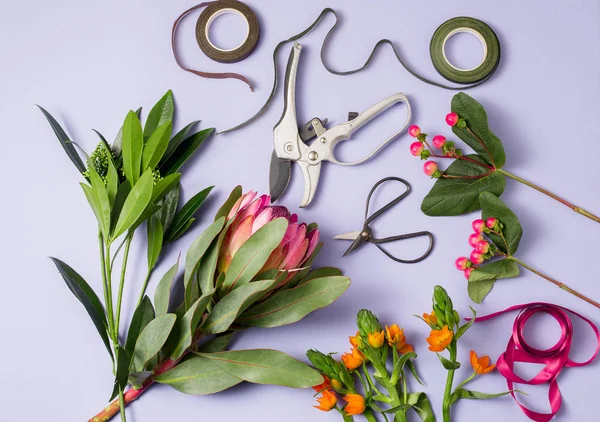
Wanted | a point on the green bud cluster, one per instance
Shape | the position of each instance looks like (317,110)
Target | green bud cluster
(367,323)
(327,365)
(444,309)
(156,176)
(99,159)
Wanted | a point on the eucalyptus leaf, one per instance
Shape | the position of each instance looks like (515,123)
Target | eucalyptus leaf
(156,146)
(233,304)
(88,298)
(218,344)
(456,196)
(477,134)
(198,376)
(122,372)
(462,393)
(176,141)
(253,254)
(265,366)
(185,150)
(225,209)
(492,206)
(449,365)
(143,314)
(289,306)
(162,294)
(189,209)
(151,340)
(478,290)
(64,141)
(135,204)
(133,145)
(161,113)
(186,326)
(155,240)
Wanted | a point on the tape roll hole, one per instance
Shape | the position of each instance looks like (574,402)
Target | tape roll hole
(224,28)
(462,51)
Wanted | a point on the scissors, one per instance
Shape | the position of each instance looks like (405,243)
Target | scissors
(291,141)
(365,235)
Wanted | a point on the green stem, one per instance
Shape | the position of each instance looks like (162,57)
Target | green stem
(369,380)
(144,286)
(109,299)
(553,196)
(368,413)
(449,381)
(122,281)
(556,282)
(462,384)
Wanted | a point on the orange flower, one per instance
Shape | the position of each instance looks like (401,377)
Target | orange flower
(325,385)
(327,401)
(395,337)
(353,360)
(356,404)
(430,319)
(481,365)
(376,339)
(439,339)
(355,341)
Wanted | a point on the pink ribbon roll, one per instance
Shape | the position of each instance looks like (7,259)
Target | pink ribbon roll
(554,359)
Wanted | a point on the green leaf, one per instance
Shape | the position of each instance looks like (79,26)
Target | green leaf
(184,151)
(194,256)
(253,254)
(449,365)
(289,306)
(151,340)
(176,141)
(189,209)
(492,206)
(233,304)
(122,372)
(117,145)
(477,130)
(264,366)
(422,406)
(133,144)
(186,326)
(164,186)
(235,194)
(478,290)
(100,199)
(218,344)
(503,268)
(198,376)
(176,235)
(64,141)
(137,379)
(207,268)
(156,146)
(320,273)
(135,204)
(462,393)
(169,207)
(162,294)
(142,316)
(155,240)
(401,361)
(85,294)
(112,183)
(161,113)
(146,214)
(121,196)
(463,329)
(451,196)
(89,195)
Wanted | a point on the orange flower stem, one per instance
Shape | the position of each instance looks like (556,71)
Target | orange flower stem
(449,382)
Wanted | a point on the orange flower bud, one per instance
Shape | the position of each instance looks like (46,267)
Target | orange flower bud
(356,340)
(337,385)
(439,339)
(325,385)
(376,339)
(395,337)
(430,319)
(356,404)
(327,401)
(481,365)
(353,360)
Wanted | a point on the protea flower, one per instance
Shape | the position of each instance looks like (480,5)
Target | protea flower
(249,215)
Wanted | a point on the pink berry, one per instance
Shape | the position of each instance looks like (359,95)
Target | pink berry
(461,263)
(482,247)
(439,141)
(478,225)
(474,239)
(414,131)
(468,271)
(429,168)
(451,119)
(491,222)
(476,258)
(416,148)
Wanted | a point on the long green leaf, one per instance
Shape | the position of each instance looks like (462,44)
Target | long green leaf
(176,141)
(122,372)
(173,236)
(164,186)
(155,240)
(151,340)
(289,306)
(198,376)
(253,254)
(64,141)
(112,183)
(207,268)
(186,326)
(456,196)
(162,294)
(161,113)
(135,204)
(169,207)
(133,145)
(156,146)
(89,195)
(85,294)
(462,393)
(449,365)
(142,316)
(101,200)
(189,209)
(233,304)
(422,406)
(492,206)
(218,344)
(185,151)
(117,145)
(117,206)
(265,366)
(225,209)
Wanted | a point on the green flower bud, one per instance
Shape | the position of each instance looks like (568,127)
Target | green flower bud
(324,363)
(367,322)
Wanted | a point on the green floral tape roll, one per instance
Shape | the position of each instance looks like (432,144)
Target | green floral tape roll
(487,37)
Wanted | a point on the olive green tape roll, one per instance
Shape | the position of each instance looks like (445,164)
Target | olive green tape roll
(488,39)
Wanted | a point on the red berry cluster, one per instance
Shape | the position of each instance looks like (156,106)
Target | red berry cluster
(482,249)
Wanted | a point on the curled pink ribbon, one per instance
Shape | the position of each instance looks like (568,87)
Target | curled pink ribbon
(555,358)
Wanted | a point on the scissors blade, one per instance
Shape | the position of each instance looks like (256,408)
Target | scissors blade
(279,176)
(311,173)
(357,243)
(347,236)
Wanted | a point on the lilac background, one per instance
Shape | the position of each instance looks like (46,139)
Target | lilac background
(90,62)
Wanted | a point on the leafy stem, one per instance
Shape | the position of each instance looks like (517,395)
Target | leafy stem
(449,382)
